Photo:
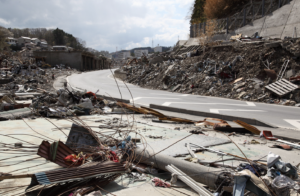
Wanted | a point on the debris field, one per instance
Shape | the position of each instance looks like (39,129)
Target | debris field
(247,69)
(56,140)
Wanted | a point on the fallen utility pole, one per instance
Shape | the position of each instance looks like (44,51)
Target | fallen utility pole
(202,174)
(189,181)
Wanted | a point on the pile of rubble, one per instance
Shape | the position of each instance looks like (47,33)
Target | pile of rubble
(237,70)
(26,75)
(30,85)
(26,83)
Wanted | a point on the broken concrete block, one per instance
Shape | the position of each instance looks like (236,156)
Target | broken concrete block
(290,73)
(241,94)
(176,87)
(239,90)
(169,68)
(239,85)
(157,59)
(257,86)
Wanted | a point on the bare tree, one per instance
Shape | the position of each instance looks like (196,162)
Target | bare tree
(4,33)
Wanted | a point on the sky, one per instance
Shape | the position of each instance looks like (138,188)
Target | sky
(104,24)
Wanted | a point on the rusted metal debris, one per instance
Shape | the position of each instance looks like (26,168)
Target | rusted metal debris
(250,128)
(271,73)
(90,170)
(58,156)
(295,79)
(132,61)
(4,176)
(222,123)
(232,130)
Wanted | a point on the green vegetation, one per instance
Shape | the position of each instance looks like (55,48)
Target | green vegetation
(198,15)
(214,9)
(4,33)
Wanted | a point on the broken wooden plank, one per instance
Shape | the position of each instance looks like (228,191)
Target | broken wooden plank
(282,87)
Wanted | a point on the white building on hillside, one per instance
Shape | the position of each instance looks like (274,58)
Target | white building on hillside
(11,41)
(35,41)
(123,55)
(158,49)
(44,44)
(139,53)
(24,40)
(109,56)
(60,48)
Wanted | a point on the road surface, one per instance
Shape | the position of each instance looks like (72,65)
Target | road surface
(281,116)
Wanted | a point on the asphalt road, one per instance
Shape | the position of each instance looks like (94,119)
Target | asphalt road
(281,116)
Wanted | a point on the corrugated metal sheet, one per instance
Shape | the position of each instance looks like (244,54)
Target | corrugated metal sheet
(62,152)
(100,170)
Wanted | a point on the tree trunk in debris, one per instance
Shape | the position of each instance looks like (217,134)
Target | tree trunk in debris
(202,174)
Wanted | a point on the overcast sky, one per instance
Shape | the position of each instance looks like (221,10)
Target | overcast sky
(104,24)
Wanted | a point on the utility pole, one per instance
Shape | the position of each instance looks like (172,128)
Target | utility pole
(152,42)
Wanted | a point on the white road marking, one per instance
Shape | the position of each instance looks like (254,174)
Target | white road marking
(295,123)
(147,105)
(183,95)
(248,103)
(137,98)
(217,111)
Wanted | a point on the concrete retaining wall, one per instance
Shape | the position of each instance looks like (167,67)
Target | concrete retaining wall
(72,59)
(119,74)
(279,24)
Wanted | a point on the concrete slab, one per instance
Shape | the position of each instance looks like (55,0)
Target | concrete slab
(171,137)
(279,132)
(23,112)
(56,129)
(145,188)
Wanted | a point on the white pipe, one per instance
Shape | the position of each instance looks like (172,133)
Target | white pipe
(289,143)
(189,181)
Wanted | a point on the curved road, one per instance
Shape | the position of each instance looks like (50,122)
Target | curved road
(281,116)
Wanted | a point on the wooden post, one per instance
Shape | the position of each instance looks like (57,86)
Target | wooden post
(227,25)
(279,3)
(253,11)
(263,8)
(244,17)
